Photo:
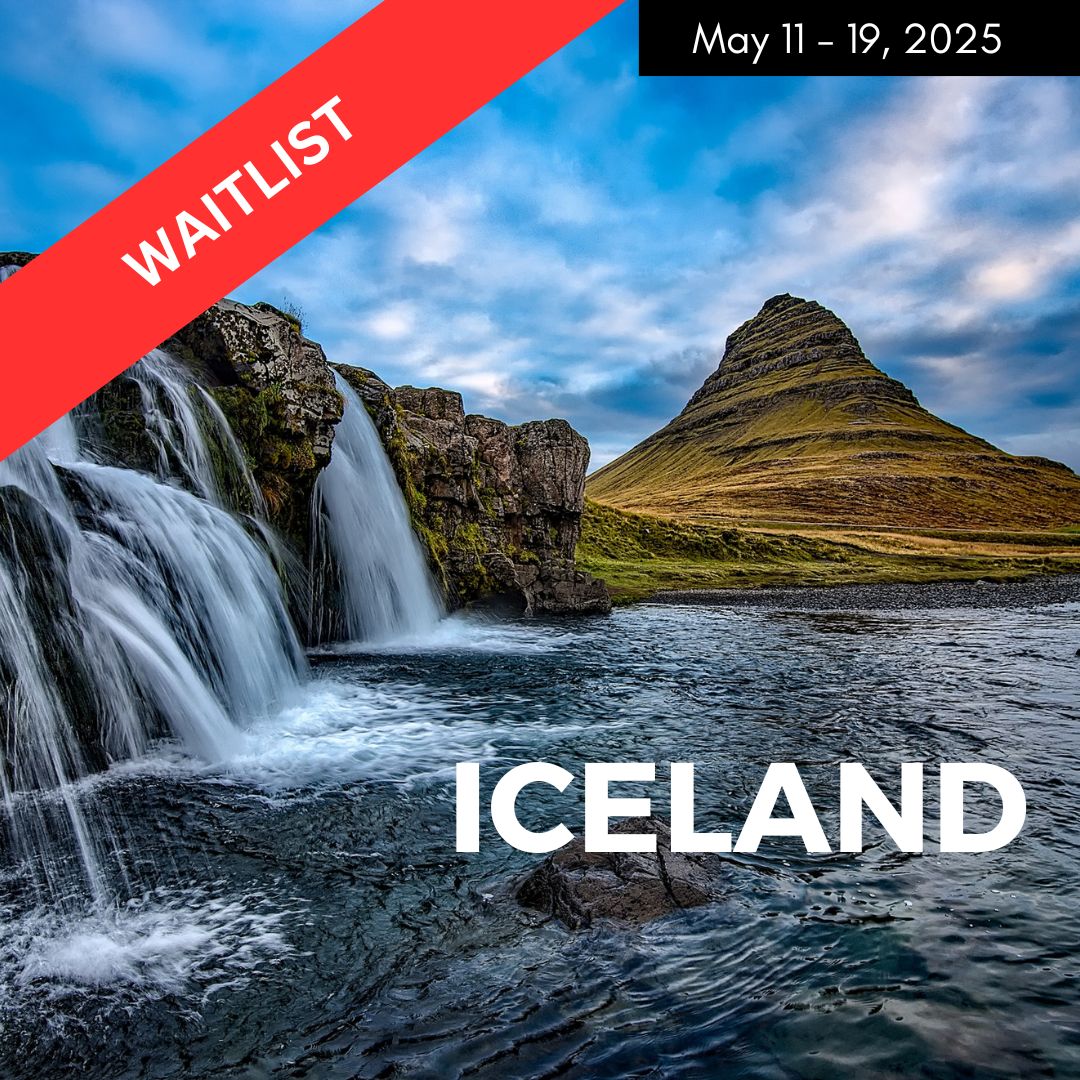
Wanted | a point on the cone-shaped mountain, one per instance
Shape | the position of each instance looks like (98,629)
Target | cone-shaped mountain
(796,424)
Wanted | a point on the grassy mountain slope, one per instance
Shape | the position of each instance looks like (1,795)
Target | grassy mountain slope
(797,425)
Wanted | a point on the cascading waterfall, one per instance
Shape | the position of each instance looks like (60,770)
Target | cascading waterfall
(186,426)
(138,605)
(129,608)
(364,548)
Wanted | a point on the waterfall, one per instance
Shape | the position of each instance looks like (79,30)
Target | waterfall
(191,444)
(136,605)
(364,543)
(130,607)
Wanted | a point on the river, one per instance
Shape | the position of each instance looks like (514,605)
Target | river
(299,910)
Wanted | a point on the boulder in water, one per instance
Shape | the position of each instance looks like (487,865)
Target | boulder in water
(578,887)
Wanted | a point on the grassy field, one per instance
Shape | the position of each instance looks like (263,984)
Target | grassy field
(638,555)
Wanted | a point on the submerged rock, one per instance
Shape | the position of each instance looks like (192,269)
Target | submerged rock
(497,506)
(578,887)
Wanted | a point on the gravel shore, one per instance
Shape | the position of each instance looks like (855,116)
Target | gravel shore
(1035,592)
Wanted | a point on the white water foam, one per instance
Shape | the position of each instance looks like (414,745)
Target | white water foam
(464,632)
(341,733)
(188,942)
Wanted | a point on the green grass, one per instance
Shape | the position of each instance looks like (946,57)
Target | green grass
(1067,536)
(638,555)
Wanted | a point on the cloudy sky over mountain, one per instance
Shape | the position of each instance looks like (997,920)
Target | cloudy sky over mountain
(583,245)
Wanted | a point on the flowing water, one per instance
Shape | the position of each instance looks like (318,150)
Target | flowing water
(141,605)
(318,922)
(132,604)
(186,426)
(380,588)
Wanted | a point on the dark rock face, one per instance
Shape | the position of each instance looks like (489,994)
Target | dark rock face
(790,333)
(16,258)
(277,391)
(35,552)
(579,887)
(275,388)
(112,422)
(498,507)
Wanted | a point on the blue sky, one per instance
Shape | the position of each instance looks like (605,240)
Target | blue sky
(583,245)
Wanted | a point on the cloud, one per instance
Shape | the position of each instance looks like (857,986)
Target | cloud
(584,244)
(1058,444)
(133,36)
(576,301)
(393,323)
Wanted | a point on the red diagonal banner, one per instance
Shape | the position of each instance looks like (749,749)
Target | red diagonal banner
(255,184)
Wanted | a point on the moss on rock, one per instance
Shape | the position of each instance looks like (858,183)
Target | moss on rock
(277,392)
(497,507)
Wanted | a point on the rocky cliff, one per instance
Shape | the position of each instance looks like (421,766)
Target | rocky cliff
(498,507)
(274,387)
(35,557)
(797,425)
(277,391)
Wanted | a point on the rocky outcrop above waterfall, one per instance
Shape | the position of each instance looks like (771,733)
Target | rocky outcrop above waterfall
(16,258)
(579,887)
(274,387)
(277,391)
(497,506)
